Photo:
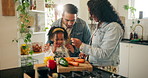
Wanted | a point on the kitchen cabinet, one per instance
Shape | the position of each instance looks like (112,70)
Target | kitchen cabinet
(133,60)
(138,61)
(124,59)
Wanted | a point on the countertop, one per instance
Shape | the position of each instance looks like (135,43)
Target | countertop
(19,71)
(143,42)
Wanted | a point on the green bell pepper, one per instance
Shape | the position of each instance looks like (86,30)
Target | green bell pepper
(63,62)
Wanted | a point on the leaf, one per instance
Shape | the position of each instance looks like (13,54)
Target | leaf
(126,7)
(19,8)
(29,58)
(29,63)
(28,35)
(31,52)
(22,30)
(13,40)
(45,0)
(27,4)
(25,40)
(22,25)
(17,41)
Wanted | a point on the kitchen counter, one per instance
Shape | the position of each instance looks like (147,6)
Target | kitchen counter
(19,71)
(144,42)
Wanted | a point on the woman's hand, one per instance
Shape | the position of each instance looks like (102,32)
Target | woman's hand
(82,55)
(70,47)
(76,42)
(46,47)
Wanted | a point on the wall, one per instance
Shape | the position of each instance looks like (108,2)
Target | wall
(128,22)
(83,11)
(63,2)
(8,50)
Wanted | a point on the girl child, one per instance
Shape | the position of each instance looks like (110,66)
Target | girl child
(57,37)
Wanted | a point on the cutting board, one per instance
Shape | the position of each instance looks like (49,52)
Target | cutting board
(86,66)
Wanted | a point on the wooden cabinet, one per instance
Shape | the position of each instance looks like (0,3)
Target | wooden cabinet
(133,60)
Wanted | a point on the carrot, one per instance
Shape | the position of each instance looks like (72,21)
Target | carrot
(80,60)
(73,63)
(69,59)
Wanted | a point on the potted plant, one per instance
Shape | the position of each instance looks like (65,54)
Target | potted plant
(25,33)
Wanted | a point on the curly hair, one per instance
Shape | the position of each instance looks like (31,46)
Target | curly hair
(54,30)
(104,11)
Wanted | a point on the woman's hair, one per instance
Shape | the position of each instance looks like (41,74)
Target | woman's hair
(55,30)
(104,11)
(70,8)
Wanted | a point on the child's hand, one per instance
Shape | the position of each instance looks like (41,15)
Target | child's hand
(55,45)
(46,47)
(70,47)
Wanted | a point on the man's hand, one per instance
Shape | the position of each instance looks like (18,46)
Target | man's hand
(70,47)
(76,42)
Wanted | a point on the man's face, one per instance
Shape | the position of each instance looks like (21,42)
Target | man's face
(69,19)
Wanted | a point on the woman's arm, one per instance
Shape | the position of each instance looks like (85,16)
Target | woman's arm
(109,42)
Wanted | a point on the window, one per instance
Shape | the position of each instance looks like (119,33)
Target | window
(140,6)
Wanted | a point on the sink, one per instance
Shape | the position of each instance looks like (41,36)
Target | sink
(144,42)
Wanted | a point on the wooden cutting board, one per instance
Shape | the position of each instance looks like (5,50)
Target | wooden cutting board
(82,67)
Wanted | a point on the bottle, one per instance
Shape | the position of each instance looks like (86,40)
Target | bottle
(135,35)
(131,36)
(140,14)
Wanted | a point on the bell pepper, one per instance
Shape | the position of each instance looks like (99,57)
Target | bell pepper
(51,64)
(63,62)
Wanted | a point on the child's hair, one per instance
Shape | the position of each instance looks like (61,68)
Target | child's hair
(54,30)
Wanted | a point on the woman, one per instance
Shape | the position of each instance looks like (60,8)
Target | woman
(103,49)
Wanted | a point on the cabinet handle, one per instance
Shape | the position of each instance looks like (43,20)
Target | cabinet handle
(131,46)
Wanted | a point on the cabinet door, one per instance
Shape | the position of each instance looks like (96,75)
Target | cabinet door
(138,61)
(124,59)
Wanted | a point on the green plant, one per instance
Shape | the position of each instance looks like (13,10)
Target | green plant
(132,11)
(23,25)
(51,11)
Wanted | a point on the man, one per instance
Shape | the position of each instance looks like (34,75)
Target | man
(76,28)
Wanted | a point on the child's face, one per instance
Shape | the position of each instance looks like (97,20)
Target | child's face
(58,39)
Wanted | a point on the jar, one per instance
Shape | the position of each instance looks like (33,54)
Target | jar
(37,47)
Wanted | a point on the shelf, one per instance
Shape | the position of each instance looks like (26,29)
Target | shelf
(37,11)
(39,32)
(35,54)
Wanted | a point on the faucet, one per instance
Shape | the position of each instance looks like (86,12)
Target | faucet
(142,29)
